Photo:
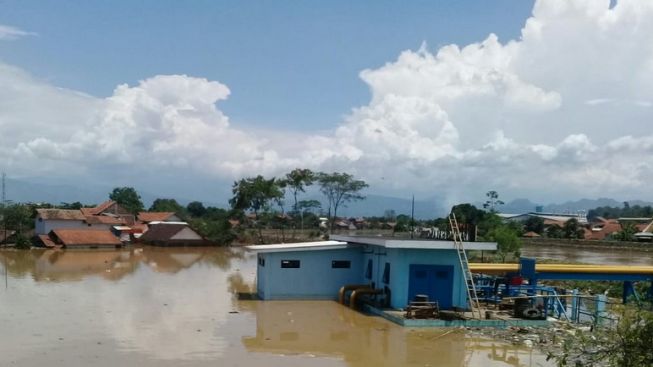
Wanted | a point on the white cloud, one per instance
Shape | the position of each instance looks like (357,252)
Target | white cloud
(9,33)
(563,111)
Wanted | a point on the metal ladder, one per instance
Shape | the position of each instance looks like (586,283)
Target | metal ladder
(472,297)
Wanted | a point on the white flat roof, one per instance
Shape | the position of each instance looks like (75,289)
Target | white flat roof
(423,244)
(300,246)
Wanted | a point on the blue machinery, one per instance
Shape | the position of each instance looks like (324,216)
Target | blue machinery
(506,282)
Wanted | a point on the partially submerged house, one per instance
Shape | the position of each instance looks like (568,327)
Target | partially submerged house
(172,234)
(398,269)
(80,238)
(48,219)
(103,216)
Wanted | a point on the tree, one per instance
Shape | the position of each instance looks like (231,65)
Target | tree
(492,201)
(572,229)
(470,218)
(166,205)
(128,198)
(507,241)
(256,194)
(627,232)
(554,231)
(339,189)
(19,218)
(75,205)
(196,209)
(534,224)
(308,206)
(626,344)
(296,181)
(217,230)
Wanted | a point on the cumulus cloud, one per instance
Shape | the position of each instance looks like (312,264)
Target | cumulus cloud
(562,111)
(11,33)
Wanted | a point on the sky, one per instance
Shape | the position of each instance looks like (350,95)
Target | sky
(550,100)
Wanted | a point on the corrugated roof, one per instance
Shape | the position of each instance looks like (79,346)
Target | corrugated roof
(86,237)
(155,216)
(60,214)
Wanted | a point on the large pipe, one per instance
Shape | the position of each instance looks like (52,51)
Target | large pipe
(358,292)
(563,268)
(350,287)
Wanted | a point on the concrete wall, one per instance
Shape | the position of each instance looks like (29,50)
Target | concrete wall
(315,279)
(45,226)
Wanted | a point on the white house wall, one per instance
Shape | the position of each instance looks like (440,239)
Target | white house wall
(45,226)
(186,234)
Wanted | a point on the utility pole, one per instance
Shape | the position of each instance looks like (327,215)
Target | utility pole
(412,218)
(4,191)
(4,205)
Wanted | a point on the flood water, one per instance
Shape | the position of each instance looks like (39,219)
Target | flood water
(175,307)
(603,256)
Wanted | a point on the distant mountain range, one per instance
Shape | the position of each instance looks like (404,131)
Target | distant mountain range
(21,191)
(373,205)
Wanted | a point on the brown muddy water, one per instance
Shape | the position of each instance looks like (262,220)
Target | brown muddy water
(597,255)
(175,307)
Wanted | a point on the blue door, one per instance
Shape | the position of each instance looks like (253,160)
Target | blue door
(435,281)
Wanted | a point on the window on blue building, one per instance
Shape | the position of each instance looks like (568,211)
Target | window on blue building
(386,273)
(340,264)
(368,271)
(290,264)
(261,261)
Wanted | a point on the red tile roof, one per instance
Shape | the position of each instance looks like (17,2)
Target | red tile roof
(60,214)
(103,207)
(603,230)
(47,241)
(85,237)
(87,211)
(154,216)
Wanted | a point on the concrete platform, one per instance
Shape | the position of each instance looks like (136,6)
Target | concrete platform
(500,322)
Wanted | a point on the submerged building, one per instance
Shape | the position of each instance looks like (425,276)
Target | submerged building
(397,269)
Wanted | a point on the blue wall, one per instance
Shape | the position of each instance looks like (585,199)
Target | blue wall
(401,259)
(315,279)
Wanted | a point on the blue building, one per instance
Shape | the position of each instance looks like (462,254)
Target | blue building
(400,268)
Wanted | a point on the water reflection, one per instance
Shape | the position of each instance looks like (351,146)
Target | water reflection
(330,330)
(72,265)
(175,307)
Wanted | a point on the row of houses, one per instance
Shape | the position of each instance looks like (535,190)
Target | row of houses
(598,228)
(110,225)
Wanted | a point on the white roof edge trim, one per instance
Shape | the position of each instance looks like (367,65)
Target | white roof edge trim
(298,246)
(416,244)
